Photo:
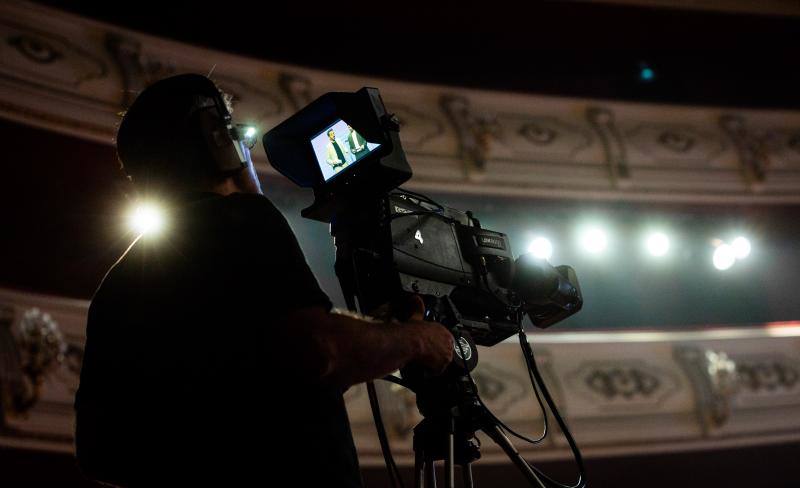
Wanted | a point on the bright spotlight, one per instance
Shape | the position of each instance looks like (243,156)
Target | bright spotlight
(250,132)
(657,244)
(146,219)
(724,257)
(594,240)
(741,247)
(541,247)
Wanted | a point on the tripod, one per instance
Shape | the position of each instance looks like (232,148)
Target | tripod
(434,441)
(452,415)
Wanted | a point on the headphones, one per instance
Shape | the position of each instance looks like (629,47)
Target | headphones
(228,143)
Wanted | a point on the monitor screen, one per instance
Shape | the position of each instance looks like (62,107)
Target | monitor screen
(338,147)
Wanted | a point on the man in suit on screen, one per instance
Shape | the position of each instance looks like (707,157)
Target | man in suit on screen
(337,153)
(358,145)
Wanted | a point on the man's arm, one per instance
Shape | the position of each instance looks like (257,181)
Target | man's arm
(344,350)
(325,346)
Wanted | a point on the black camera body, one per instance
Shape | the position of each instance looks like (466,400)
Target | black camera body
(391,241)
(400,245)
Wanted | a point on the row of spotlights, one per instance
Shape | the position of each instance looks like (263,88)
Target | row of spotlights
(148,219)
(595,241)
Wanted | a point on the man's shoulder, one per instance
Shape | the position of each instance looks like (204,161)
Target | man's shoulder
(244,208)
(255,201)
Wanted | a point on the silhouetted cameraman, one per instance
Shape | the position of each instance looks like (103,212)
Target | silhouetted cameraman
(211,351)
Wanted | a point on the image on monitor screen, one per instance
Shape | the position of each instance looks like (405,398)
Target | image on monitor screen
(338,147)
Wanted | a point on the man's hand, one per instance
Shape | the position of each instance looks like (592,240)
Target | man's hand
(436,342)
(345,350)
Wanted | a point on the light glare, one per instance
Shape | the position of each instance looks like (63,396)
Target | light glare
(741,247)
(724,257)
(147,219)
(594,240)
(657,244)
(541,247)
(250,132)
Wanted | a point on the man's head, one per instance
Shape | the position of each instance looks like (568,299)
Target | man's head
(175,137)
(331,135)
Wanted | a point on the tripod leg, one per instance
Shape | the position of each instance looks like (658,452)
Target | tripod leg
(419,468)
(430,473)
(449,473)
(501,440)
(466,474)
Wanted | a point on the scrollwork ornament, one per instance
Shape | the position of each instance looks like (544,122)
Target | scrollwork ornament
(754,158)
(34,49)
(676,141)
(40,342)
(538,134)
(616,159)
(474,134)
(30,350)
(715,380)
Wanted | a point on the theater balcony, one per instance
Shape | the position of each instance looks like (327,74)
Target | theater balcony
(683,368)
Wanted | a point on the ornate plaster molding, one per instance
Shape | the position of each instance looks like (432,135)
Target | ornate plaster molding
(623,393)
(75,75)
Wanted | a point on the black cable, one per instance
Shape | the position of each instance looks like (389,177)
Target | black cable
(397,381)
(394,471)
(531,361)
(493,416)
(534,372)
(541,406)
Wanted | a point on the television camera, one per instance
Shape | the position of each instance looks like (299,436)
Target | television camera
(391,242)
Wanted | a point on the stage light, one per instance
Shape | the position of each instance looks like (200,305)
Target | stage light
(250,132)
(657,244)
(146,219)
(594,240)
(724,257)
(741,247)
(541,247)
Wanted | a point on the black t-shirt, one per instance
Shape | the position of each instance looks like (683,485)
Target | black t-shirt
(184,376)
